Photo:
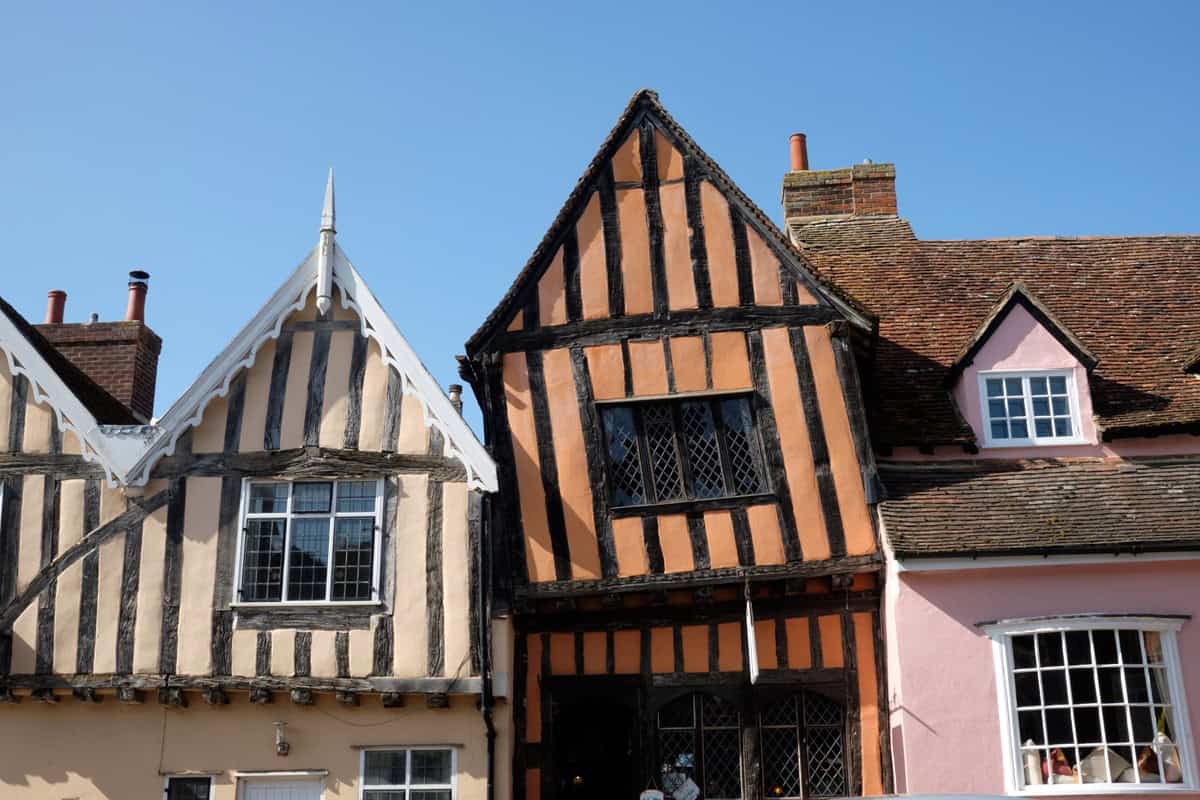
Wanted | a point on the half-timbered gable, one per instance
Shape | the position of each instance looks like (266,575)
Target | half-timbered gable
(671,398)
(302,526)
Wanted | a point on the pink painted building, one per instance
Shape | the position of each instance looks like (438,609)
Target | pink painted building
(1034,410)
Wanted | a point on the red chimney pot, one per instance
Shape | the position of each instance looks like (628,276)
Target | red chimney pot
(799,148)
(56,301)
(136,309)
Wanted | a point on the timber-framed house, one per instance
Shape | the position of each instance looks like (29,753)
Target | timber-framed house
(269,592)
(683,535)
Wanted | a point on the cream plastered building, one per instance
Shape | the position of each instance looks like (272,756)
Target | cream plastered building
(274,592)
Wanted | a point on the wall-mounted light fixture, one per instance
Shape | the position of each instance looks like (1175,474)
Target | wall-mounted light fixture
(281,743)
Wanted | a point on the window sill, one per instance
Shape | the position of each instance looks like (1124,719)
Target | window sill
(1000,444)
(322,616)
(306,606)
(1067,789)
(682,506)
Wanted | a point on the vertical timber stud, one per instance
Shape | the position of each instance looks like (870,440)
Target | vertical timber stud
(391,410)
(506,549)
(172,575)
(275,396)
(654,222)
(382,645)
(354,390)
(741,257)
(884,704)
(227,536)
(773,451)
(130,578)
(669,364)
(853,709)
(435,621)
(787,283)
(549,466)
(612,243)
(820,448)
(571,275)
(10,516)
(654,553)
(315,403)
(547,707)
(695,220)
(302,654)
(594,448)
(223,585)
(44,650)
(10,539)
(341,647)
(742,537)
(699,539)
(85,650)
(519,713)
(262,654)
(475,577)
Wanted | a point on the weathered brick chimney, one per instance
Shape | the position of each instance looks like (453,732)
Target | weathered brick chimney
(121,356)
(864,190)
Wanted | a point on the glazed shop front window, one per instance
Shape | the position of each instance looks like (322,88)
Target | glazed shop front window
(800,738)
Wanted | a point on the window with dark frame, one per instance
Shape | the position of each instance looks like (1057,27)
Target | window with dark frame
(310,542)
(698,448)
(189,788)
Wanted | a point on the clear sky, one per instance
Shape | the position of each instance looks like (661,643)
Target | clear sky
(192,142)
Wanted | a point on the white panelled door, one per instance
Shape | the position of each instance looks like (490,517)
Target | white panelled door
(280,789)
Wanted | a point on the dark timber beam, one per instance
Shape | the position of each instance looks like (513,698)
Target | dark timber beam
(710,577)
(318,462)
(91,540)
(674,323)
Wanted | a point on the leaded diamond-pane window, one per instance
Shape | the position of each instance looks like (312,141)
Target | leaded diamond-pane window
(310,542)
(694,449)
(803,754)
(699,739)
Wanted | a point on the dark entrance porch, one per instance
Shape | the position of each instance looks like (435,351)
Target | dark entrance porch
(609,738)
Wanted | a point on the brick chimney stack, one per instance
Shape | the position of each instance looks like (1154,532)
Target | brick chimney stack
(122,357)
(864,190)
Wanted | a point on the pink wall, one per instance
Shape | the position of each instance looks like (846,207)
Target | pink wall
(945,718)
(1021,343)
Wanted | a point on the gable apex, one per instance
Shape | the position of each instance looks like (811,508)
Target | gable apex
(619,163)
(1019,295)
(214,381)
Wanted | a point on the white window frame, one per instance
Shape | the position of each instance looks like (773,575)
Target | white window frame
(408,787)
(1167,627)
(1033,440)
(245,515)
(184,776)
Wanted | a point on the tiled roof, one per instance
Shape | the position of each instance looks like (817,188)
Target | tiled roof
(1133,302)
(104,407)
(1042,507)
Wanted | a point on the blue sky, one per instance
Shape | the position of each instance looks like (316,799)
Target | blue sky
(192,142)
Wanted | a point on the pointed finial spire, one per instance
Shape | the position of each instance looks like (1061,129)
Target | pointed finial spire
(325,253)
(328,215)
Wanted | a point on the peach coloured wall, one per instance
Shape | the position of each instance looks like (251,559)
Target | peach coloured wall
(946,734)
(67,750)
(1020,343)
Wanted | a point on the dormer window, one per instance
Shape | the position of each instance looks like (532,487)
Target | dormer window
(1029,408)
